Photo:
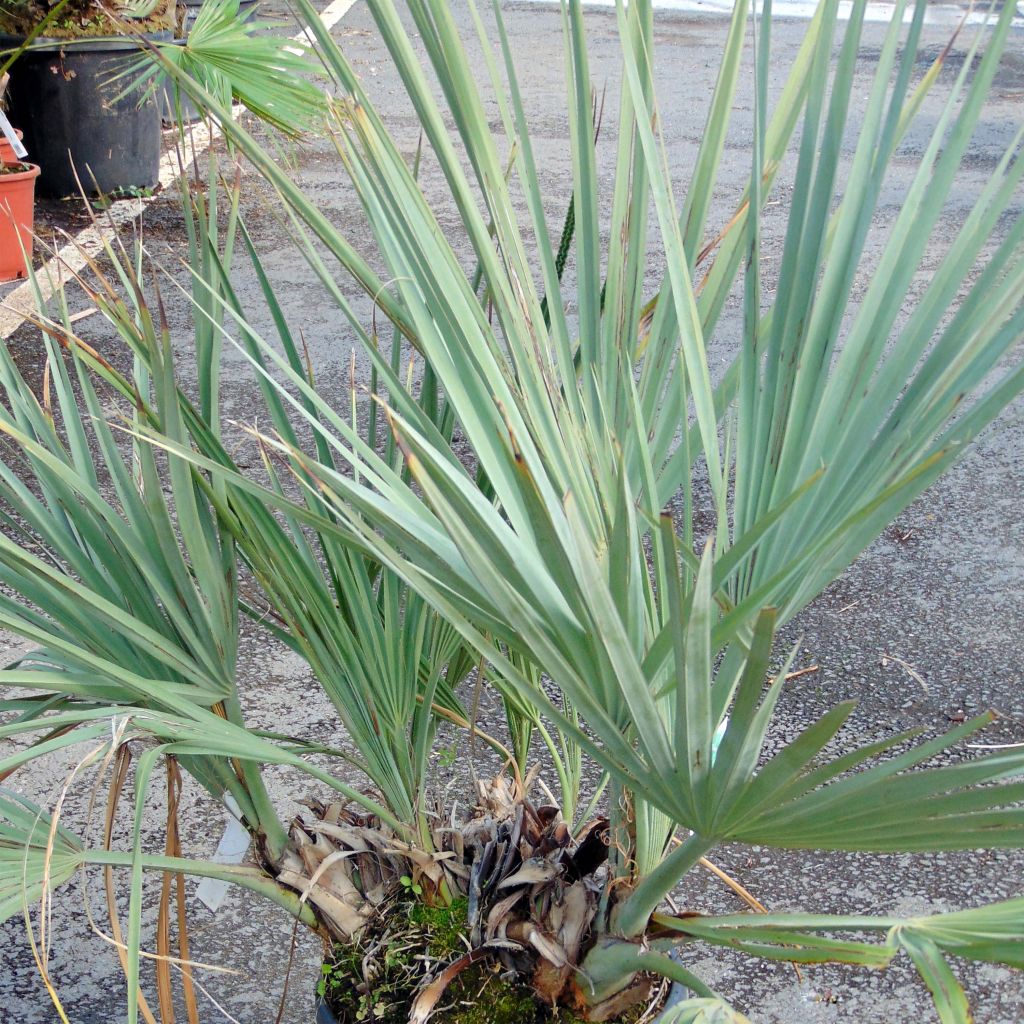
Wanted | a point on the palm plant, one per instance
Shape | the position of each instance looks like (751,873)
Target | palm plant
(533,504)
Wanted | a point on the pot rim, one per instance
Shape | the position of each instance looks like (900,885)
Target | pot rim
(32,172)
(47,44)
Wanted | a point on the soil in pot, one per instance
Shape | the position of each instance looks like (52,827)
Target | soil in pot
(377,979)
(17,202)
(79,19)
(75,118)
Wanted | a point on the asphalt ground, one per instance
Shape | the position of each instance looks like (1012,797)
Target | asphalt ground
(924,629)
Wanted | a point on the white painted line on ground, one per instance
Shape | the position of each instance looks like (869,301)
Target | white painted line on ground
(330,16)
(877,10)
(20,303)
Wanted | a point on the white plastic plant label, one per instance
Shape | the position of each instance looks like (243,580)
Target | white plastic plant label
(231,849)
(5,126)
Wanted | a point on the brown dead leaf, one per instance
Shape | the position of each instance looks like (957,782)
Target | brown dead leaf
(423,1005)
(533,872)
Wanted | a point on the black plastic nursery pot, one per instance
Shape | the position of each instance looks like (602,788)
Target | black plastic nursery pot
(67,98)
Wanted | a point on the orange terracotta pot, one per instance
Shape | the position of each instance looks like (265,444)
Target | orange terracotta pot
(17,202)
(7,154)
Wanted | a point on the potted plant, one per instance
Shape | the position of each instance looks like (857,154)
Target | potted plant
(532,509)
(17,203)
(82,122)
(7,150)
(17,207)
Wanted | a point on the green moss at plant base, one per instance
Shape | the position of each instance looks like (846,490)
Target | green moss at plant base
(444,926)
(376,979)
(482,994)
